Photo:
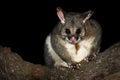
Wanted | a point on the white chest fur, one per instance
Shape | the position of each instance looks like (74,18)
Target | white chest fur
(82,52)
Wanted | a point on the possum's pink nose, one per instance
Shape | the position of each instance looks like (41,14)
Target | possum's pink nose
(73,40)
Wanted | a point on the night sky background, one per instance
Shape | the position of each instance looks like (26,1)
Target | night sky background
(25,24)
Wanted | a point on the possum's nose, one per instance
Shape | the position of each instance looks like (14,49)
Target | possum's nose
(73,40)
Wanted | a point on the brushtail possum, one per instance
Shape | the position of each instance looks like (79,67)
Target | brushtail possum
(75,38)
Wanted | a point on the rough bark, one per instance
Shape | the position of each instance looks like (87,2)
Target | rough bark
(106,66)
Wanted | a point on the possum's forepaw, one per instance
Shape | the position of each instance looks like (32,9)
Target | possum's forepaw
(75,66)
(90,58)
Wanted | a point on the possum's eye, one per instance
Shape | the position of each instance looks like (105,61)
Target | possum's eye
(78,31)
(67,31)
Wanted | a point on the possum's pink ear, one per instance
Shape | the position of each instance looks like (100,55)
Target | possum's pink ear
(60,14)
(87,15)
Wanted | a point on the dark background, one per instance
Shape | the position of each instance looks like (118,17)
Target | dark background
(25,24)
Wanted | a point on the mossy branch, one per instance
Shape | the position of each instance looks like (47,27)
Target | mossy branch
(106,66)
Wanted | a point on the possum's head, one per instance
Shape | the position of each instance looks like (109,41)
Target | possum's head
(72,25)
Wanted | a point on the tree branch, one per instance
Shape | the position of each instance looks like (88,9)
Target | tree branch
(106,66)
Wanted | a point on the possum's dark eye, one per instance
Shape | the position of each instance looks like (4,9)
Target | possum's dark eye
(78,31)
(67,31)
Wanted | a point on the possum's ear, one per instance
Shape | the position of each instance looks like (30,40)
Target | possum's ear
(87,15)
(61,15)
